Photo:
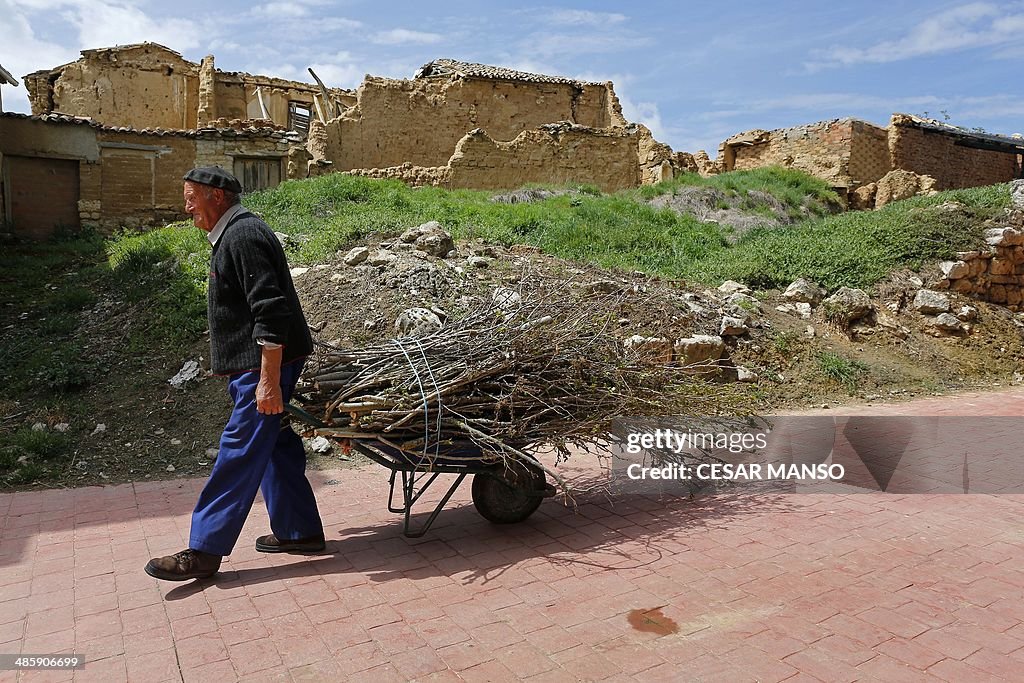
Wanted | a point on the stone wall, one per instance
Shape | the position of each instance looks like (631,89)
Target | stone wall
(845,153)
(420,121)
(556,154)
(995,274)
(947,156)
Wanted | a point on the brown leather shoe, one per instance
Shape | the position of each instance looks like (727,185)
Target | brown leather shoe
(272,544)
(188,564)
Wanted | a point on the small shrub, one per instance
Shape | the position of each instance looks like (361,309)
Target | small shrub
(841,370)
(784,342)
(44,444)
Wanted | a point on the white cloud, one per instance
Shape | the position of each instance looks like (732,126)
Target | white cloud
(402,36)
(24,53)
(279,10)
(338,70)
(579,17)
(115,23)
(546,45)
(975,25)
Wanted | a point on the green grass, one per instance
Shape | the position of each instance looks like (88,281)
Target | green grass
(164,271)
(841,370)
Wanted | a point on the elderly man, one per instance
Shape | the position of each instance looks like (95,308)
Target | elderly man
(259,340)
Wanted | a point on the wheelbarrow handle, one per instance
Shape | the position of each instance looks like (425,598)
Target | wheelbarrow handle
(304,416)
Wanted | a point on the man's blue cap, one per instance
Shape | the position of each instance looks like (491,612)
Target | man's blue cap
(214,176)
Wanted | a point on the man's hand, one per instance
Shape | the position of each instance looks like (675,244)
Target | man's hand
(269,397)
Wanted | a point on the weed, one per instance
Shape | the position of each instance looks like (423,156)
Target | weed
(841,370)
(784,342)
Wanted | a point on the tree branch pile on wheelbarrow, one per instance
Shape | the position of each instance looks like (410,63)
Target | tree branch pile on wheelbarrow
(538,366)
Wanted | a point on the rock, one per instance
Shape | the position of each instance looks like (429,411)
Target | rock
(478,249)
(649,349)
(699,348)
(478,262)
(929,302)
(282,238)
(900,184)
(175,442)
(1017,194)
(863,198)
(744,302)
(505,299)
(604,286)
(212,453)
(417,322)
(320,445)
(100,428)
(356,256)
(731,287)
(948,323)
(954,270)
(732,327)
(430,238)
(188,372)
(803,309)
(847,305)
(170,468)
(892,326)
(804,291)
(966,314)
(786,308)
(336,277)
(746,374)
(381,258)
(369,325)
(1004,237)
(62,427)
(39,427)
(810,332)
(296,272)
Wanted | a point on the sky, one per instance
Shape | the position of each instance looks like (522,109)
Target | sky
(693,72)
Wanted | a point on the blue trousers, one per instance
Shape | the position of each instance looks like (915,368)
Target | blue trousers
(256,453)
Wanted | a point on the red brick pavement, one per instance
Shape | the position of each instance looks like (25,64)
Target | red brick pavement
(762,587)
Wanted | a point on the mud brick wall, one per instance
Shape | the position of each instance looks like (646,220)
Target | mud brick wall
(934,153)
(869,153)
(141,178)
(421,121)
(416,176)
(605,158)
(141,87)
(844,152)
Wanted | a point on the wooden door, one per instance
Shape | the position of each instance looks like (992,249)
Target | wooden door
(43,196)
(258,174)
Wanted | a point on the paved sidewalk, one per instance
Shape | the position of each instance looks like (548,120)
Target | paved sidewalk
(739,587)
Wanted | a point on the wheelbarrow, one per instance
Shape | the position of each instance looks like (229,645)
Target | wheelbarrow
(505,491)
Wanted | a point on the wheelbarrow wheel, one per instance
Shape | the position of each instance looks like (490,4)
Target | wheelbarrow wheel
(508,494)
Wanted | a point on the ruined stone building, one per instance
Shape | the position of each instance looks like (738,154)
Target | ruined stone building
(151,86)
(120,126)
(851,154)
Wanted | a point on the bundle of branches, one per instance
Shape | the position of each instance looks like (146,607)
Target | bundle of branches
(535,367)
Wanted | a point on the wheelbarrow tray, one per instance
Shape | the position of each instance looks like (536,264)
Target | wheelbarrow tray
(505,489)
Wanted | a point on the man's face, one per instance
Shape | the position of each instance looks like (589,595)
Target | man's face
(203,203)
